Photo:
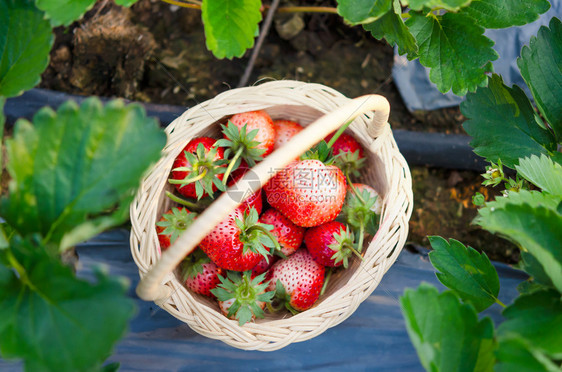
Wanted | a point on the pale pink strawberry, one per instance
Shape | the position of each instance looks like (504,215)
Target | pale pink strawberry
(297,280)
(284,131)
(361,187)
(287,233)
(200,274)
(308,192)
(330,244)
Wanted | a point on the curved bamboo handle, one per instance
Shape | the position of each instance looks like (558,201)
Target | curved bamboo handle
(150,287)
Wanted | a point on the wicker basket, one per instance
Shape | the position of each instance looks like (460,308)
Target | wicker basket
(321,110)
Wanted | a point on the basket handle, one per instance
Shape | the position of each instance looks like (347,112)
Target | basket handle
(150,287)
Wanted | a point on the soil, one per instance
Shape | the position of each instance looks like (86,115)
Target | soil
(155,52)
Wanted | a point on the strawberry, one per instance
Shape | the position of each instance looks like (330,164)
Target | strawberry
(330,244)
(284,131)
(199,273)
(361,188)
(199,168)
(241,297)
(255,200)
(172,223)
(260,121)
(264,265)
(237,243)
(288,234)
(345,143)
(297,280)
(308,192)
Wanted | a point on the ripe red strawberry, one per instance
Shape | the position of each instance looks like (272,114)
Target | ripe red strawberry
(199,273)
(255,200)
(300,281)
(345,143)
(287,233)
(264,265)
(284,131)
(237,243)
(172,223)
(199,168)
(308,192)
(330,244)
(242,297)
(261,121)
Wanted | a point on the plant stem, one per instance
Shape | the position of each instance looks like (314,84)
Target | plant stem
(183,202)
(338,134)
(187,181)
(500,303)
(353,189)
(270,236)
(263,33)
(326,280)
(361,236)
(231,164)
(194,4)
(307,9)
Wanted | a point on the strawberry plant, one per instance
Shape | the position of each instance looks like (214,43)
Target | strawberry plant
(445,327)
(72,174)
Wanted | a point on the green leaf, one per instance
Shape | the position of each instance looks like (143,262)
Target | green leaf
(533,198)
(503,124)
(506,13)
(447,335)
(25,41)
(230,26)
(64,12)
(391,27)
(77,165)
(468,273)
(533,267)
(541,67)
(445,42)
(363,11)
(452,5)
(2,123)
(514,354)
(537,230)
(55,321)
(536,317)
(542,172)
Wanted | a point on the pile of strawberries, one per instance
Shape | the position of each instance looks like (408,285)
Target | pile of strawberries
(280,246)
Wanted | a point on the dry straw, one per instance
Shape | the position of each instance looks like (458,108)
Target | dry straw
(321,110)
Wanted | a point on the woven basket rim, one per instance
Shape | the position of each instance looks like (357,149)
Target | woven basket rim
(339,303)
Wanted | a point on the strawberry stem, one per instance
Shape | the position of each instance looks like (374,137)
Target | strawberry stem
(186,203)
(338,134)
(326,280)
(271,237)
(231,165)
(189,180)
(361,235)
(353,189)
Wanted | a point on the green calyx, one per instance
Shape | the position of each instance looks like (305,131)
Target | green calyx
(192,265)
(176,223)
(203,171)
(239,144)
(281,300)
(349,162)
(246,292)
(357,208)
(344,247)
(320,152)
(256,236)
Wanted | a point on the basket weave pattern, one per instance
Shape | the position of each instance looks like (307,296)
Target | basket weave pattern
(386,171)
